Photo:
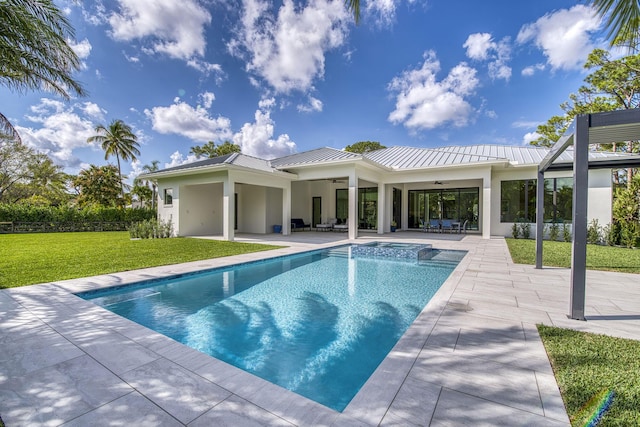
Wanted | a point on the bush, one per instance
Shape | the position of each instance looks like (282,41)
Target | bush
(594,232)
(515,230)
(566,232)
(611,234)
(30,213)
(151,229)
(554,231)
(525,228)
(630,234)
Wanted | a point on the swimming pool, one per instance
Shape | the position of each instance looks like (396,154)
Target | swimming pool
(317,323)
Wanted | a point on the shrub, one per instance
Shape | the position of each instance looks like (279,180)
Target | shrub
(594,232)
(630,234)
(525,228)
(554,231)
(611,234)
(515,230)
(151,229)
(566,232)
(30,213)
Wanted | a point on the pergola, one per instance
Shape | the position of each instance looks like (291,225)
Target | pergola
(586,129)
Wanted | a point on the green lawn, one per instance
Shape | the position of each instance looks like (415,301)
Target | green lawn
(586,365)
(558,254)
(26,259)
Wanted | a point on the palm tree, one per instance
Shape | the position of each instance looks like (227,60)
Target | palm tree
(34,53)
(153,167)
(622,19)
(117,140)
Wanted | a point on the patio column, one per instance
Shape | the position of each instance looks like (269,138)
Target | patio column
(286,210)
(486,205)
(405,208)
(353,205)
(382,218)
(228,208)
(539,218)
(579,226)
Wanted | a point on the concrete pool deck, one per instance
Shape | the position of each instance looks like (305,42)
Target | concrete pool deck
(472,357)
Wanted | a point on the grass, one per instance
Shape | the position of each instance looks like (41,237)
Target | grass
(558,254)
(27,259)
(587,364)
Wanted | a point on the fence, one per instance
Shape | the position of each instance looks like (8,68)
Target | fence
(57,227)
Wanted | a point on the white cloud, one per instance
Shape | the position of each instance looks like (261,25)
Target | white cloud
(530,136)
(169,27)
(382,11)
(532,69)
(314,105)
(205,67)
(423,102)
(521,124)
(207,99)
(478,46)
(82,49)
(482,47)
(256,139)
(60,128)
(91,109)
(193,123)
(177,159)
(563,36)
(288,51)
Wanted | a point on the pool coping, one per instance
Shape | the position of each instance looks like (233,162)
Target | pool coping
(436,373)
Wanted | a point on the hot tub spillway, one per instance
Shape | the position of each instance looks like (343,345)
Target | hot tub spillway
(393,250)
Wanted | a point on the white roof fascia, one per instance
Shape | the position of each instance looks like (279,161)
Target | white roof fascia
(458,165)
(215,168)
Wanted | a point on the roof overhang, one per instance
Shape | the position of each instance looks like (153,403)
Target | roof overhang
(604,128)
(215,168)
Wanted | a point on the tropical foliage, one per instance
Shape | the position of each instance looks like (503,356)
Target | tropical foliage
(211,150)
(364,147)
(99,185)
(34,52)
(67,213)
(117,140)
(622,18)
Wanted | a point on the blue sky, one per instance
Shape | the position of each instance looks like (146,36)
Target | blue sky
(278,78)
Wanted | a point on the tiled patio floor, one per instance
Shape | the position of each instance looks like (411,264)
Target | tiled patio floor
(472,357)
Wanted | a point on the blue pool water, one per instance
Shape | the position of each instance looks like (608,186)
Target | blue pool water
(317,323)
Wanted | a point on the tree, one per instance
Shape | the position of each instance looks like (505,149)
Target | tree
(364,147)
(622,19)
(211,150)
(117,140)
(14,160)
(34,52)
(614,84)
(153,167)
(99,185)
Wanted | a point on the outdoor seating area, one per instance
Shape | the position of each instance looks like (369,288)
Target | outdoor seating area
(297,224)
(440,226)
(333,225)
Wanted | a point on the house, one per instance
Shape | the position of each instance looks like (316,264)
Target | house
(487,186)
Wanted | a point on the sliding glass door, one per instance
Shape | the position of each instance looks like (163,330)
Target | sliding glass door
(456,204)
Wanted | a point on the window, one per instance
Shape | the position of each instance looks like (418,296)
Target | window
(168,196)
(342,204)
(368,208)
(518,200)
(458,204)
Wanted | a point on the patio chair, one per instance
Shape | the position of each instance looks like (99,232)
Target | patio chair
(435,225)
(342,227)
(423,225)
(298,224)
(327,226)
(447,225)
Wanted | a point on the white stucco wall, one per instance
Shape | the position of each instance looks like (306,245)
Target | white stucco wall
(599,195)
(202,215)
(273,208)
(251,208)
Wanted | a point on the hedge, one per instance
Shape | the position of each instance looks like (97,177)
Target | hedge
(68,214)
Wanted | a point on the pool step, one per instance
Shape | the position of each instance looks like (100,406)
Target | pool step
(342,252)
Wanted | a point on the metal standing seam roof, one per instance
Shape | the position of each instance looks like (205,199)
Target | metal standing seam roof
(319,155)
(397,158)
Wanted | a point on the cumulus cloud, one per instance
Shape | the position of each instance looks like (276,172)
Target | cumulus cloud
(482,47)
(256,139)
(177,159)
(529,137)
(532,69)
(314,105)
(423,102)
(196,124)
(82,49)
(207,99)
(563,36)
(168,27)
(58,128)
(287,51)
